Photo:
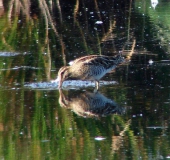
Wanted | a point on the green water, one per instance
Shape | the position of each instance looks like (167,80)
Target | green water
(36,39)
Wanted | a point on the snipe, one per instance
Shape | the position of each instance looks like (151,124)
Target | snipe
(92,67)
(89,104)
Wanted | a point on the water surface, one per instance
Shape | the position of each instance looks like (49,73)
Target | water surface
(125,120)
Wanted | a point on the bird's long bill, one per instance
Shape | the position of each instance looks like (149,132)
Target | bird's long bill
(60,82)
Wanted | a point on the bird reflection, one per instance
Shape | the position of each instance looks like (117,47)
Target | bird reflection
(89,104)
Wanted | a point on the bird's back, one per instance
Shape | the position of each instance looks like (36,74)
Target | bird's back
(99,60)
(94,67)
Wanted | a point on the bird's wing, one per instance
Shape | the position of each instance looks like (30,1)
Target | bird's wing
(84,59)
(96,60)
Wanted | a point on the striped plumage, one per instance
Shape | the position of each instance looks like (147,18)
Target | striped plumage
(92,67)
(90,104)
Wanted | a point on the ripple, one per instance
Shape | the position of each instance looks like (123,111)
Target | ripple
(156,127)
(12,54)
(9,54)
(22,67)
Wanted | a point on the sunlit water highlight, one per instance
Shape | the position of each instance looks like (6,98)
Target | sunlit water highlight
(69,84)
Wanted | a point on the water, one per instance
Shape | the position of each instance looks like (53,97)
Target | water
(127,119)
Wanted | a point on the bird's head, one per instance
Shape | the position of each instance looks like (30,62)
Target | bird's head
(63,74)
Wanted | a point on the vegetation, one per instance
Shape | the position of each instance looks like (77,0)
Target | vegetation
(38,36)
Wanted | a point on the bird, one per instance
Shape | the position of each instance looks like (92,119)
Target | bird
(92,67)
(90,104)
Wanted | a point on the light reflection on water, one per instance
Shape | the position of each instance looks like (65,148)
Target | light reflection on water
(90,104)
(38,114)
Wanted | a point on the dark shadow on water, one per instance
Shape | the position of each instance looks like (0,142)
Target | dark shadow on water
(89,104)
